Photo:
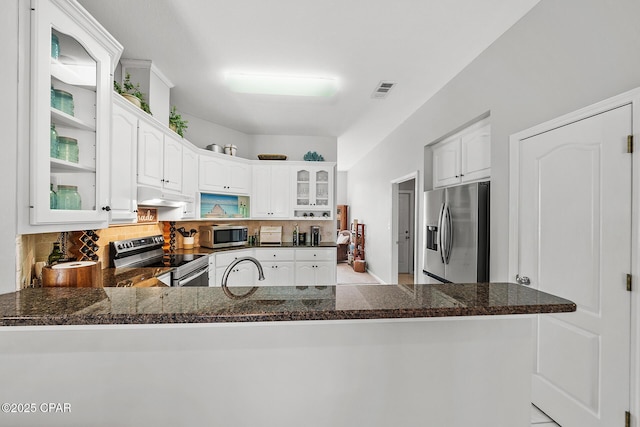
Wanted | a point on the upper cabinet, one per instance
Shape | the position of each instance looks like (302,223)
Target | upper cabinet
(72,62)
(159,158)
(123,188)
(313,190)
(464,157)
(224,175)
(189,181)
(270,191)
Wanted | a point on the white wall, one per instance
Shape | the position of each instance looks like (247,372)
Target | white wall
(202,133)
(342,182)
(560,57)
(11,139)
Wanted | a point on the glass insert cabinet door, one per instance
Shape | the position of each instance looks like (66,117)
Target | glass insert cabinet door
(303,188)
(314,187)
(322,188)
(70,109)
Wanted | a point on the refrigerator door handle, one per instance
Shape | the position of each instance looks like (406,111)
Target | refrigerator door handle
(449,234)
(441,233)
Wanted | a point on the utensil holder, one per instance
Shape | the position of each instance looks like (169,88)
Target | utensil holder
(187,242)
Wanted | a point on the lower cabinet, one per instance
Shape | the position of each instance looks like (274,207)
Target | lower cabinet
(315,273)
(316,266)
(243,274)
(281,266)
(278,266)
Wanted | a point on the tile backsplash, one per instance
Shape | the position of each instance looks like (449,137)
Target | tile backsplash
(327,228)
(32,248)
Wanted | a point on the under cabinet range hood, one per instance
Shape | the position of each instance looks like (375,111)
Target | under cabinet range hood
(149,196)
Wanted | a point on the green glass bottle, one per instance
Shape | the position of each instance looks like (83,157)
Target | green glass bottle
(55,255)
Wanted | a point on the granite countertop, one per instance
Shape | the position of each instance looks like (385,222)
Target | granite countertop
(161,305)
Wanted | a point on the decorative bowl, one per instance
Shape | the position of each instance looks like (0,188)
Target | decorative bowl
(272,157)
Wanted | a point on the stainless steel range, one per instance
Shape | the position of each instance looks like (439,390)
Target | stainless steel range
(188,269)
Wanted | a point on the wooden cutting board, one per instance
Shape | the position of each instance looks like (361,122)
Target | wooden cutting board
(73,274)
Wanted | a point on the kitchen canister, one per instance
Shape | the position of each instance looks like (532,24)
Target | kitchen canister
(230,149)
(53,198)
(68,197)
(68,149)
(55,46)
(63,101)
(54,142)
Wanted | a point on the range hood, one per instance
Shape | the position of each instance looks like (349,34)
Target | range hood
(149,196)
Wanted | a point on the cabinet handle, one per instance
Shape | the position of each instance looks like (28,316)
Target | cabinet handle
(135,211)
(106,208)
(461,174)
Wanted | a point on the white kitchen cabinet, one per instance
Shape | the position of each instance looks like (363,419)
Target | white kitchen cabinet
(218,174)
(313,190)
(189,181)
(316,266)
(159,158)
(278,265)
(243,274)
(212,270)
(464,157)
(476,154)
(124,138)
(270,191)
(446,163)
(172,164)
(81,76)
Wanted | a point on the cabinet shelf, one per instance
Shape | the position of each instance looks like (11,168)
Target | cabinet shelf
(60,118)
(62,166)
(76,75)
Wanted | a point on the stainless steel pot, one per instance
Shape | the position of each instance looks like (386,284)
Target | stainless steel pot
(215,148)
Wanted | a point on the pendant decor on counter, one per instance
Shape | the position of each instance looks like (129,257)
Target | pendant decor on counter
(169,234)
(85,245)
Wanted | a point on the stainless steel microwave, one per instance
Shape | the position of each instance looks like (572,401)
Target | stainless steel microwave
(221,236)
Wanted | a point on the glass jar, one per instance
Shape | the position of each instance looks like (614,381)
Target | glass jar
(68,197)
(53,198)
(54,142)
(63,101)
(55,46)
(68,149)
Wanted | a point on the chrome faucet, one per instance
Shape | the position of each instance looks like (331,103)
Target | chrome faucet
(225,276)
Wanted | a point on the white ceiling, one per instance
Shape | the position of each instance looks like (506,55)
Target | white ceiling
(419,44)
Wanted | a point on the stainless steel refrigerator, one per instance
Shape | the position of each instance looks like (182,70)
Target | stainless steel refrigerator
(457,234)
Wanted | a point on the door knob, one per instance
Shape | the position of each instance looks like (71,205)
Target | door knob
(523,280)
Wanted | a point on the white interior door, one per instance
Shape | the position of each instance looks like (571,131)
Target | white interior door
(574,240)
(404,233)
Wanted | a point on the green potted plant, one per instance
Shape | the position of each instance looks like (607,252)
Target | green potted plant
(132,93)
(176,122)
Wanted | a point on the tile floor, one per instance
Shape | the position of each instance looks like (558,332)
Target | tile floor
(346,276)
(540,419)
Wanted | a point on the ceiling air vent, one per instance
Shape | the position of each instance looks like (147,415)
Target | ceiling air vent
(382,90)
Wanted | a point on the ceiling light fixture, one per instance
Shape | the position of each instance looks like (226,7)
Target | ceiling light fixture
(264,84)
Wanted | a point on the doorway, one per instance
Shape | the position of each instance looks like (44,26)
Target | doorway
(571,235)
(404,229)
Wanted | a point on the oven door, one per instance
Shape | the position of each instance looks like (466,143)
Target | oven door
(198,277)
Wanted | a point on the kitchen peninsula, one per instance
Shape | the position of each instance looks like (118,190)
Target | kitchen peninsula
(378,355)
